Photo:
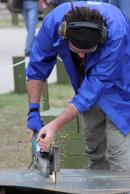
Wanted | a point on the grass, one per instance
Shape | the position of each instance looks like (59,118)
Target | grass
(15,147)
(60,95)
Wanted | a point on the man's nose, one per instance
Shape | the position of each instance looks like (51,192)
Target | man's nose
(81,54)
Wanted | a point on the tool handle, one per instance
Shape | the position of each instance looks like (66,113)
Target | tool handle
(43,136)
(46,152)
(35,146)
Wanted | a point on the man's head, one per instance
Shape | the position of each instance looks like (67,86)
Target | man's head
(84,28)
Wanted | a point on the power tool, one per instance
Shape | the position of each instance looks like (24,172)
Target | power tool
(47,163)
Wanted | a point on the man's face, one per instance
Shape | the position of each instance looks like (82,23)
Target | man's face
(81,52)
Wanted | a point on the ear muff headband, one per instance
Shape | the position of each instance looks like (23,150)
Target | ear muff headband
(73,25)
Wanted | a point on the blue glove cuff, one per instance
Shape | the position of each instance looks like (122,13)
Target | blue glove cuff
(33,114)
(34,121)
(34,105)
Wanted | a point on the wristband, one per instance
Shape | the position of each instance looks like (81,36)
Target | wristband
(33,110)
(34,105)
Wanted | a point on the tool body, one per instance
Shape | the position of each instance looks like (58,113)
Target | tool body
(47,163)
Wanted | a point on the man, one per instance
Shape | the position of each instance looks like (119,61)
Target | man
(92,38)
(30,10)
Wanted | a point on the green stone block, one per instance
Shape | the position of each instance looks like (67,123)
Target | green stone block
(70,139)
(70,133)
(53,112)
(19,76)
(73,161)
(73,129)
(45,97)
(71,147)
(62,76)
(77,122)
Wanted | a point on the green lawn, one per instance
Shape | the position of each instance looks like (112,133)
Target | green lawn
(15,147)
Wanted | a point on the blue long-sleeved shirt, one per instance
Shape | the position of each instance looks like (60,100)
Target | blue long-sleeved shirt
(107,79)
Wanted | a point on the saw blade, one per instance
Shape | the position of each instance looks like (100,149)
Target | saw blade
(55,177)
(42,165)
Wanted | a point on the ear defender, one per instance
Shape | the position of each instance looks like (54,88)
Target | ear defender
(62,30)
(104,33)
(73,25)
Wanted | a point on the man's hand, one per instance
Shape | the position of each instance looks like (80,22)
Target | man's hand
(49,133)
(54,126)
(34,122)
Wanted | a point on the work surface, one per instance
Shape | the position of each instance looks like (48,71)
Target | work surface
(70,181)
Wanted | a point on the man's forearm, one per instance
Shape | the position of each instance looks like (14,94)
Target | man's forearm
(65,117)
(35,88)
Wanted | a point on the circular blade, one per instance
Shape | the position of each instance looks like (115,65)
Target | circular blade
(44,167)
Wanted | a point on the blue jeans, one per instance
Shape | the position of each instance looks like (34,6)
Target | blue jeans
(30,14)
(104,1)
(123,5)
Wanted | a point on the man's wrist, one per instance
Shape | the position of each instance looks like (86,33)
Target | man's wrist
(33,110)
(34,105)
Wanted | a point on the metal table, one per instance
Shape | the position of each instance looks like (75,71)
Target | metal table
(70,181)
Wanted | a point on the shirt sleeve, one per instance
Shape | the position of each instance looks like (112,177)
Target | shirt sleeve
(101,77)
(43,56)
